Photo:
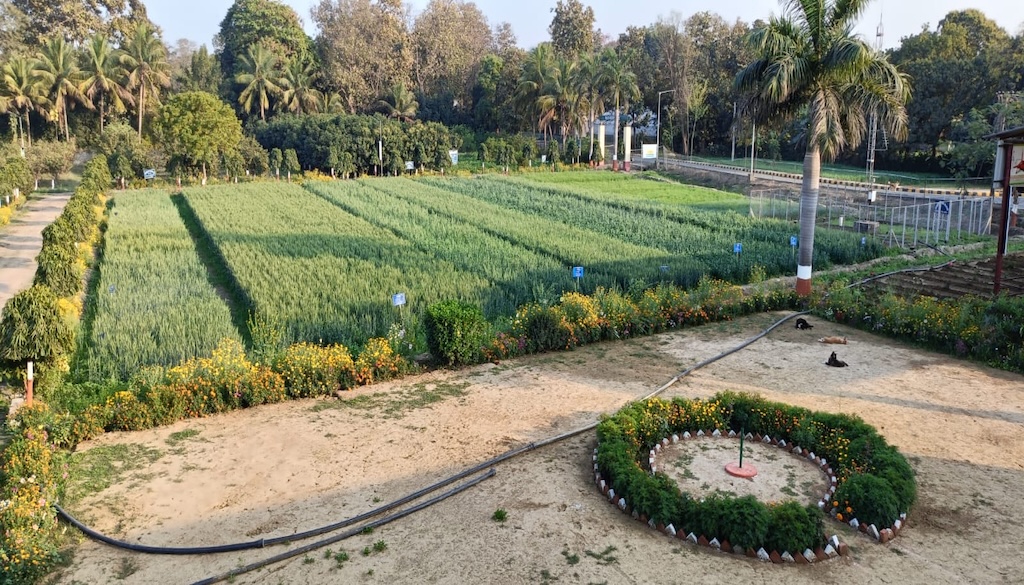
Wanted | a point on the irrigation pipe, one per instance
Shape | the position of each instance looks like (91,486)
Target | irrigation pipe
(347,534)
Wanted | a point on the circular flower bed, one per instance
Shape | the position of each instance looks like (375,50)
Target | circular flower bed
(872,483)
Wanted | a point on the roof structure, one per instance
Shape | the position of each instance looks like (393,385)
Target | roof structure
(1011,136)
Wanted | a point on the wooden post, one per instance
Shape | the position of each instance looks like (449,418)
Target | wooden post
(28,384)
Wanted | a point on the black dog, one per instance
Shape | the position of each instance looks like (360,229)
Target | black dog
(835,362)
(802,323)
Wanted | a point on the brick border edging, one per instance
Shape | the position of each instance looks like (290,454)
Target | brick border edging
(833,548)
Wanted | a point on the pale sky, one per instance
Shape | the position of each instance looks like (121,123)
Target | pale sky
(199,20)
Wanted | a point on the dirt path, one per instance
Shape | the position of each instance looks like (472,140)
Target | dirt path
(284,468)
(21,240)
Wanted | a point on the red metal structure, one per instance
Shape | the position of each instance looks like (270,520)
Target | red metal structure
(1008,172)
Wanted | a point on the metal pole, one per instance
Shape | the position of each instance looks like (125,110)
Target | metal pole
(733,130)
(1004,221)
(657,139)
(753,143)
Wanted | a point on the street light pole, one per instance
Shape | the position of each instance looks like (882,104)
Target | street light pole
(657,139)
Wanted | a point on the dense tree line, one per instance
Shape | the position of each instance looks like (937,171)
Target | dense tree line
(70,69)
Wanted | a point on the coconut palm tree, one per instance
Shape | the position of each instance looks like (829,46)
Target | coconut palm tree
(400,103)
(589,75)
(60,76)
(145,61)
(536,75)
(620,86)
(22,90)
(259,76)
(809,60)
(298,94)
(101,78)
(559,101)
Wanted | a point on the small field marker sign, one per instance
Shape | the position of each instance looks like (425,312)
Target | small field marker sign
(737,248)
(664,267)
(863,241)
(149,174)
(397,299)
(577,274)
(792,241)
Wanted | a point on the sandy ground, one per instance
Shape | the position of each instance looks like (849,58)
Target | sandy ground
(21,240)
(291,467)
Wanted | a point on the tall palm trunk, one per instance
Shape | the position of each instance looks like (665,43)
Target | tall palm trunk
(615,153)
(142,105)
(101,112)
(28,129)
(808,212)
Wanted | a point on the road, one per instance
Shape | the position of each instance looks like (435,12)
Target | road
(21,240)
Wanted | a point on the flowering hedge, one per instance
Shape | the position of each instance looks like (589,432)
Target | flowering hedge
(982,329)
(875,482)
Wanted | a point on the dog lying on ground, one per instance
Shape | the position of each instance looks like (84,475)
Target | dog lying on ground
(835,362)
(802,323)
(832,339)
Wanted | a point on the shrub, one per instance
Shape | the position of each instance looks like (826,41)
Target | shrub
(581,316)
(312,370)
(126,413)
(541,327)
(794,528)
(378,362)
(60,270)
(871,499)
(455,332)
(33,327)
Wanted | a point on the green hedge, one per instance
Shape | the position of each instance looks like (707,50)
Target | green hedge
(875,482)
(456,331)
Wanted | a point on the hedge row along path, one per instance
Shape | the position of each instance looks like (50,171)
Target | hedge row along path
(21,240)
(283,468)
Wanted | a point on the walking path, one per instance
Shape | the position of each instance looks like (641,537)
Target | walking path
(21,240)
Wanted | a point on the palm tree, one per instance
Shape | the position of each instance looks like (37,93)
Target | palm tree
(332,103)
(22,89)
(101,73)
(589,75)
(560,97)
(400,103)
(620,85)
(145,61)
(536,75)
(60,75)
(298,94)
(809,58)
(259,76)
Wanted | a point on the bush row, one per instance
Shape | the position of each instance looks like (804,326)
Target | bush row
(987,330)
(457,333)
(875,482)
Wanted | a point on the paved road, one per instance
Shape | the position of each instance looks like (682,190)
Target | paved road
(21,240)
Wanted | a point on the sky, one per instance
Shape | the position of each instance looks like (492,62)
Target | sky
(199,20)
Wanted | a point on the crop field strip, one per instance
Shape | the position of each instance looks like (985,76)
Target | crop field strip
(607,260)
(643,187)
(324,273)
(154,303)
(512,271)
(831,246)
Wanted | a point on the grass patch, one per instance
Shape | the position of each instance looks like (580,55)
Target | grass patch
(126,568)
(500,515)
(97,469)
(397,403)
(174,438)
(604,557)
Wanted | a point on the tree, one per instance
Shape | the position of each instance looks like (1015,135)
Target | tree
(400,103)
(145,61)
(269,23)
(196,129)
(364,48)
(808,58)
(75,20)
(101,75)
(291,162)
(60,76)
(254,156)
(275,159)
(297,92)
(449,39)
(589,80)
(33,328)
(536,75)
(620,87)
(22,89)
(572,29)
(258,73)
(200,73)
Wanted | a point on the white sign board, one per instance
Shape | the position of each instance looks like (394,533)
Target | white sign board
(410,166)
(149,174)
(1016,163)
(649,151)
(454,155)
(397,299)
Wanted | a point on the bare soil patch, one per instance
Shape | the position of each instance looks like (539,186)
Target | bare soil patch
(289,467)
(698,466)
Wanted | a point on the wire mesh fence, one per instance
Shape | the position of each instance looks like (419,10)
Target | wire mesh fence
(899,219)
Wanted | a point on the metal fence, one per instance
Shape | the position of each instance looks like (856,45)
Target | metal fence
(900,219)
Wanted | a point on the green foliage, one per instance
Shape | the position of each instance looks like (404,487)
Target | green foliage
(871,499)
(196,130)
(96,177)
(34,328)
(275,159)
(14,173)
(794,528)
(456,331)
(150,277)
(59,269)
(747,523)
(291,161)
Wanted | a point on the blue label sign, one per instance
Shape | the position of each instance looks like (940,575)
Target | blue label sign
(737,248)
(149,174)
(863,240)
(664,268)
(942,207)
(792,241)
(577,272)
(397,299)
